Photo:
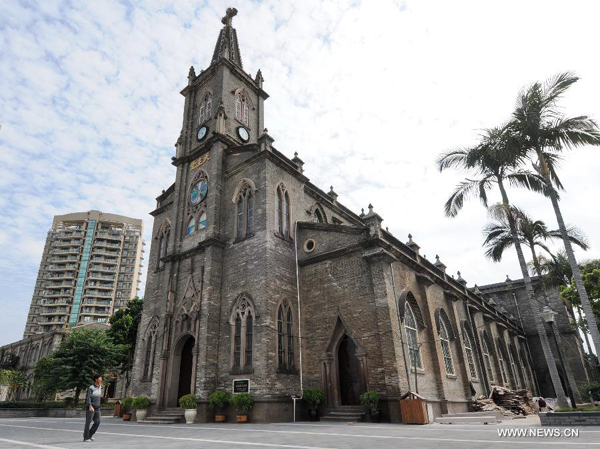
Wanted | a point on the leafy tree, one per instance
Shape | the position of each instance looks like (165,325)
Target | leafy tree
(44,385)
(591,280)
(496,161)
(14,380)
(123,331)
(544,133)
(83,353)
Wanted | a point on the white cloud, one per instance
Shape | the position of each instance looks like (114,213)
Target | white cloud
(369,93)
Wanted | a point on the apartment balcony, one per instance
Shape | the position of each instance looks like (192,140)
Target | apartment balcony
(54,312)
(56,267)
(58,301)
(103,269)
(72,250)
(97,294)
(53,320)
(108,236)
(100,276)
(62,244)
(103,244)
(62,276)
(95,311)
(104,260)
(54,285)
(99,286)
(98,302)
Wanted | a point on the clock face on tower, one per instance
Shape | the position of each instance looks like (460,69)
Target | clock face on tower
(202,132)
(243,133)
(198,192)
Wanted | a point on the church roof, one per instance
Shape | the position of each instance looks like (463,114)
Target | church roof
(227,44)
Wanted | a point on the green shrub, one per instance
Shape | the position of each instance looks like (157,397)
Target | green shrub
(314,396)
(243,402)
(219,399)
(126,404)
(188,401)
(586,387)
(370,401)
(140,403)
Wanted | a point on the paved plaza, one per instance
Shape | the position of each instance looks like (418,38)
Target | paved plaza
(56,433)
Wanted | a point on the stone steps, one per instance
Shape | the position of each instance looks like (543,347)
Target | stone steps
(168,416)
(345,413)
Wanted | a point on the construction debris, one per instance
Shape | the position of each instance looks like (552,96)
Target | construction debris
(508,402)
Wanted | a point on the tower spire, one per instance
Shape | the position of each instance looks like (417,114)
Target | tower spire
(227,44)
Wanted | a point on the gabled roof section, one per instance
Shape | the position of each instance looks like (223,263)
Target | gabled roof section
(227,46)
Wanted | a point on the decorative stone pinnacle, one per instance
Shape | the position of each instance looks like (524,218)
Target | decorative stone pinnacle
(229,15)
(460,279)
(332,194)
(192,72)
(370,208)
(362,212)
(439,264)
(507,279)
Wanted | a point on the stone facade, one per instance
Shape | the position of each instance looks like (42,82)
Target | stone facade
(512,297)
(256,273)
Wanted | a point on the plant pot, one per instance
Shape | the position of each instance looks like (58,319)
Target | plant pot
(127,416)
(190,415)
(241,419)
(140,415)
(313,414)
(220,417)
(374,416)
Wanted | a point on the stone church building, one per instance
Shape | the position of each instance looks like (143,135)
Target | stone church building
(256,273)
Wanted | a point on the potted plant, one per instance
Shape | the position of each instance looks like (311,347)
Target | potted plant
(218,400)
(314,396)
(370,402)
(243,403)
(189,403)
(126,407)
(140,404)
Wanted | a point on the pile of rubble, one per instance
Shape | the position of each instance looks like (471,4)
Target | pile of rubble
(508,402)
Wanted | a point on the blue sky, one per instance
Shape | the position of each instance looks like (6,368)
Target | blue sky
(368,93)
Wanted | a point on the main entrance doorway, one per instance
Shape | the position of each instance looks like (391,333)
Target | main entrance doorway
(351,386)
(185,368)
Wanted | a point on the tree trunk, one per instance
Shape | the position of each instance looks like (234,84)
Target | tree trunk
(583,296)
(533,303)
(76,398)
(584,331)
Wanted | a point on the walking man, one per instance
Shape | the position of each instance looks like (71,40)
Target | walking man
(92,402)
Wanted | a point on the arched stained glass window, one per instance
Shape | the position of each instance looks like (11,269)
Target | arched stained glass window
(412,337)
(237,343)
(205,108)
(469,351)
(242,332)
(486,358)
(501,362)
(249,340)
(244,217)
(202,221)
(191,227)
(446,350)
(285,338)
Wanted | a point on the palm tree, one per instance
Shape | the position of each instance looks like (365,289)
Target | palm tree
(495,161)
(544,132)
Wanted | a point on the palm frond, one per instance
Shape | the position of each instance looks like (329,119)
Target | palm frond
(556,86)
(465,190)
(572,132)
(576,236)
(529,180)
(452,159)
(498,238)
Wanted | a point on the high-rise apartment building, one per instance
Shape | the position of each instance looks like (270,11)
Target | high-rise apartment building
(90,268)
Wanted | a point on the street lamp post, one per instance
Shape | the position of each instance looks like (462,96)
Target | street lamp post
(548,315)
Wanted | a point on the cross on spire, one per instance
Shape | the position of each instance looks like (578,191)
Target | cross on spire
(229,15)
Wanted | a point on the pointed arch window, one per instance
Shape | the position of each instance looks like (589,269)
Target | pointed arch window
(446,350)
(283,211)
(149,351)
(191,226)
(202,221)
(242,332)
(285,338)
(244,216)
(148,357)
(412,337)
(206,108)
(501,362)
(242,108)
(163,242)
(487,362)
(469,352)
(513,366)
(319,216)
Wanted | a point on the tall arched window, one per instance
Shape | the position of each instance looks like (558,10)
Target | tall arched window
(527,373)
(148,357)
(191,226)
(319,216)
(206,108)
(283,211)
(202,221)
(513,366)
(242,331)
(244,226)
(242,108)
(501,362)
(412,337)
(285,338)
(163,242)
(469,351)
(446,350)
(487,362)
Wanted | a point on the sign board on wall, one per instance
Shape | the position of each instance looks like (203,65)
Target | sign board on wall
(241,386)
